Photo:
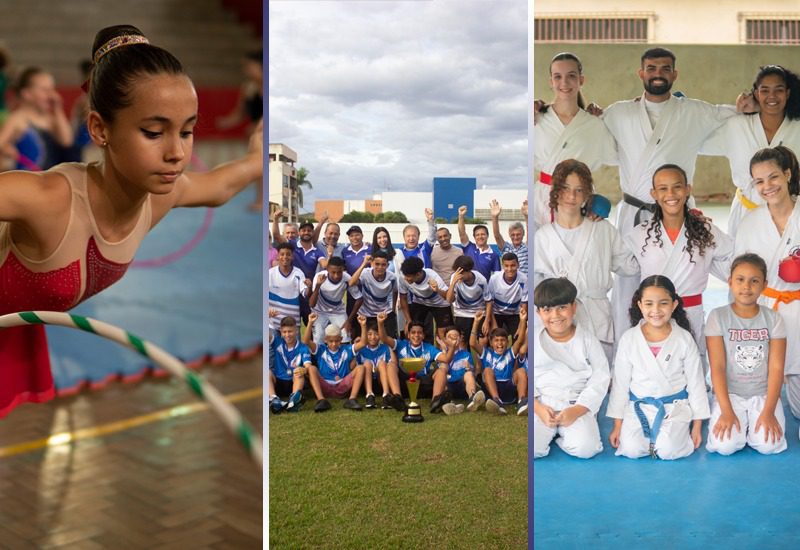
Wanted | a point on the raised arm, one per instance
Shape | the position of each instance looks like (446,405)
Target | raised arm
(385,338)
(462,227)
(361,342)
(308,339)
(524,210)
(431,226)
(220,184)
(474,341)
(355,276)
(318,228)
(521,332)
(312,300)
(276,226)
(454,280)
(494,210)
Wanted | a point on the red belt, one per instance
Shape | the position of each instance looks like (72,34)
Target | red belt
(545,178)
(691,301)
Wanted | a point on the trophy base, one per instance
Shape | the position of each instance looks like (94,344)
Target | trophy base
(413,413)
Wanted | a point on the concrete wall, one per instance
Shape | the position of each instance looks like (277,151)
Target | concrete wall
(679,21)
(713,73)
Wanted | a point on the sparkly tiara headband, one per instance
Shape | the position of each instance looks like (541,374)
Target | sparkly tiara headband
(116,42)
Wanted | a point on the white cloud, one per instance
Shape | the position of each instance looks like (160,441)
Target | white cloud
(393,94)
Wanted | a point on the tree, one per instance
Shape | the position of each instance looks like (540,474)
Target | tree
(302,179)
(358,217)
(391,216)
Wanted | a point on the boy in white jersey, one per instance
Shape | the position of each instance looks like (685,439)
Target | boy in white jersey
(336,373)
(469,293)
(379,363)
(509,292)
(327,298)
(378,288)
(570,375)
(502,381)
(423,293)
(286,284)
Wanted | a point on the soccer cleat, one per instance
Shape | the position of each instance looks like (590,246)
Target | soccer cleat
(295,402)
(397,403)
(387,402)
(452,408)
(478,398)
(438,401)
(353,405)
(276,405)
(370,402)
(322,406)
(522,407)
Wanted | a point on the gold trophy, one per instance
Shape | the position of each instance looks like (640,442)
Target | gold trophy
(412,365)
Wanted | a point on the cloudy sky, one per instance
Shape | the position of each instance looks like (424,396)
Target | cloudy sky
(386,95)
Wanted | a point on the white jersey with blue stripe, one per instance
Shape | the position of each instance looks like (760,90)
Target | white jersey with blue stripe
(377,295)
(508,297)
(469,299)
(331,295)
(284,294)
(421,292)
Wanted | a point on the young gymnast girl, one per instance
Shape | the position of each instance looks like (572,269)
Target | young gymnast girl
(68,233)
(774,232)
(746,349)
(565,130)
(584,251)
(657,386)
(681,245)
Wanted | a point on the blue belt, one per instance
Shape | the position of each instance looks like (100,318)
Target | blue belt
(652,432)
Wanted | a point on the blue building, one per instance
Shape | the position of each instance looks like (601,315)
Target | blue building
(450,193)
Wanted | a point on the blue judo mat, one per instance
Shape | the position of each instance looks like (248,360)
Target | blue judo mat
(743,501)
(206,304)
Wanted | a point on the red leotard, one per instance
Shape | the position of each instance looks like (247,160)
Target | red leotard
(83,264)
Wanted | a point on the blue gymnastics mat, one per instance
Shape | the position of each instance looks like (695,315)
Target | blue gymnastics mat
(704,501)
(206,305)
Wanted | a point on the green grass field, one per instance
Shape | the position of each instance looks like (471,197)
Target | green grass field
(345,479)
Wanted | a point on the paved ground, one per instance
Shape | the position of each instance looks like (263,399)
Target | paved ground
(175,480)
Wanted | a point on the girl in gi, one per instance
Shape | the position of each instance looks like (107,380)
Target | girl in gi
(773,231)
(585,252)
(657,387)
(746,349)
(565,130)
(681,245)
(70,232)
(776,91)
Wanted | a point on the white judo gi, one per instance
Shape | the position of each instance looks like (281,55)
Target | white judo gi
(585,138)
(738,139)
(757,233)
(637,371)
(683,126)
(566,374)
(690,279)
(596,251)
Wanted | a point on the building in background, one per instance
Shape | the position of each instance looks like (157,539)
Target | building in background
(283,180)
(450,193)
(676,22)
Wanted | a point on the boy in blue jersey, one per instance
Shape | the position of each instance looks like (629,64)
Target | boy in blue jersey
(379,362)
(336,374)
(503,382)
(287,371)
(460,371)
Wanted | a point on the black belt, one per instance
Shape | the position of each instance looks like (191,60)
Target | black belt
(641,205)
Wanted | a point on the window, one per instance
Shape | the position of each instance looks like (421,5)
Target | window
(621,28)
(771,28)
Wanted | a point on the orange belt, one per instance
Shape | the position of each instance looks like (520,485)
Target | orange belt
(691,301)
(545,178)
(781,296)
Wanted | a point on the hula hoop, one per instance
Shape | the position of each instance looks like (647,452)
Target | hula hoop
(193,242)
(229,415)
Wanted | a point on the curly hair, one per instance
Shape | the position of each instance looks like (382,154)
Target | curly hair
(559,182)
(698,230)
(785,159)
(792,83)
(659,281)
